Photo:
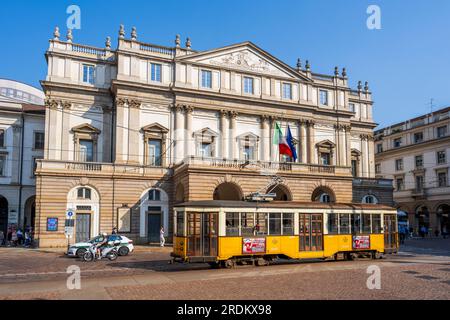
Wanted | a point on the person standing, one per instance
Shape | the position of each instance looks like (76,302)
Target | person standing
(162,240)
(2,238)
(114,230)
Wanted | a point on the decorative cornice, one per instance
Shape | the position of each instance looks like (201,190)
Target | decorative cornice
(131,103)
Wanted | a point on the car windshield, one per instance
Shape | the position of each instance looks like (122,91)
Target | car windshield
(96,239)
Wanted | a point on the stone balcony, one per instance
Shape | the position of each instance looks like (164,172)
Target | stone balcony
(99,169)
(372,182)
(263,167)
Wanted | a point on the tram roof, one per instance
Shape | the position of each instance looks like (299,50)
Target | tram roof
(281,204)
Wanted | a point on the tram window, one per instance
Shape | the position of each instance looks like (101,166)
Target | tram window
(275,224)
(376,223)
(344,223)
(232,221)
(366,223)
(356,223)
(332,223)
(288,224)
(180,223)
(247,224)
(261,224)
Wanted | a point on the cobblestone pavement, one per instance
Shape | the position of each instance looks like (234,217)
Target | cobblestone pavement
(418,272)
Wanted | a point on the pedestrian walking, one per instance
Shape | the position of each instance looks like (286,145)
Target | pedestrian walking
(8,237)
(2,238)
(27,239)
(444,232)
(20,237)
(162,240)
(14,237)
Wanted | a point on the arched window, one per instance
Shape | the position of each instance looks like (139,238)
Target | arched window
(369,199)
(325,198)
(84,193)
(154,195)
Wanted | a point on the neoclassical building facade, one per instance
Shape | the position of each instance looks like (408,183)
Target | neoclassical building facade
(131,131)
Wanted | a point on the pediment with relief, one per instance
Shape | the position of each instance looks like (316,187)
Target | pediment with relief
(245,57)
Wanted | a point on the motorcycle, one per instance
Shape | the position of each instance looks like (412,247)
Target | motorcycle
(109,252)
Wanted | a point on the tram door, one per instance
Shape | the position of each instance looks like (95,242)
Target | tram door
(311,235)
(202,234)
(390,231)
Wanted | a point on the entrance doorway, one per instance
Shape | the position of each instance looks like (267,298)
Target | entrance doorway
(390,232)
(202,234)
(82,227)
(154,223)
(3,214)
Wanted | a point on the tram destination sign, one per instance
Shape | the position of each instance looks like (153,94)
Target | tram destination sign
(254,245)
(361,242)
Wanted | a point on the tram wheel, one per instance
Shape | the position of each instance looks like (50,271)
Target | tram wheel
(261,262)
(230,264)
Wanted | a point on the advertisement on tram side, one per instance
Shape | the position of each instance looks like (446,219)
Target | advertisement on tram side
(361,242)
(254,245)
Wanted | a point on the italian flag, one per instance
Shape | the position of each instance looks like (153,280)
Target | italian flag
(280,140)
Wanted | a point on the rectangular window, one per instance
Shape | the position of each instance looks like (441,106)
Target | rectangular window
(356,223)
(399,164)
(441,157)
(355,168)
(351,107)
(206,79)
(399,184)
(154,152)
(2,138)
(376,223)
(88,73)
(441,131)
(86,151)
(232,224)
(397,143)
(344,223)
(366,223)
(275,224)
(249,153)
(38,140)
(379,147)
(205,150)
(323,97)
(155,69)
(325,158)
(418,137)
(287,91)
(419,161)
(377,168)
(248,85)
(419,183)
(288,224)
(180,224)
(332,223)
(261,224)
(442,179)
(2,165)
(247,224)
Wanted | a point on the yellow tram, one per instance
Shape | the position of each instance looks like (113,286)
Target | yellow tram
(229,232)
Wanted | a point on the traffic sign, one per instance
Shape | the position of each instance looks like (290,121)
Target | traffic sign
(68,231)
(69,214)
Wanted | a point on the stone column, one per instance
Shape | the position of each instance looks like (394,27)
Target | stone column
(265,137)
(189,148)
(303,141)
(371,155)
(233,148)
(272,147)
(65,129)
(223,134)
(178,141)
(134,109)
(364,162)
(348,146)
(121,125)
(16,142)
(106,134)
(53,129)
(311,139)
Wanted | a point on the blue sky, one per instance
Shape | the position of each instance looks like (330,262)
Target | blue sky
(406,62)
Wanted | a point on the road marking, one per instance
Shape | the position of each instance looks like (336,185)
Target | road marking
(57,272)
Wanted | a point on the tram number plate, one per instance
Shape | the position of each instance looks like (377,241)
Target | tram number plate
(361,242)
(254,245)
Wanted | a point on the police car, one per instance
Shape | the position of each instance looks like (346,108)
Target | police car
(125,247)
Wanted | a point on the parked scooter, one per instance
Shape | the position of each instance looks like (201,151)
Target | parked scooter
(109,252)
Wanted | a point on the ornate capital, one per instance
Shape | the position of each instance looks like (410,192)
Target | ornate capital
(66,104)
(120,102)
(310,123)
(131,103)
(233,114)
(51,103)
(223,113)
(188,109)
(134,104)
